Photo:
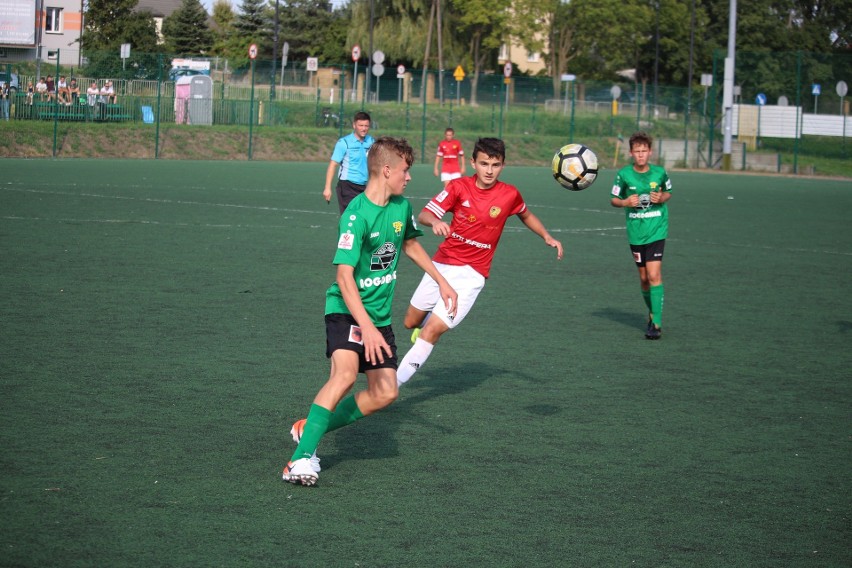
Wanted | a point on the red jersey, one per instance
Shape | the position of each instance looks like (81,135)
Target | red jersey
(479,216)
(450,150)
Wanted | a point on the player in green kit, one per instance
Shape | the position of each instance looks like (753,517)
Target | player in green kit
(643,189)
(375,228)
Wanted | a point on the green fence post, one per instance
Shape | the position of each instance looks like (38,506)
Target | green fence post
(55,105)
(157,117)
(423,128)
(535,103)
(799,112)
(251,110)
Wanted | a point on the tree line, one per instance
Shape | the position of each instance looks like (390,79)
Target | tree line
(667,41)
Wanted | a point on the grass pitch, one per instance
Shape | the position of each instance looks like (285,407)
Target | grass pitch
(162,328)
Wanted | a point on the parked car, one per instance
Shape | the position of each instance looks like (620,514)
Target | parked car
(179,72)
(12,80)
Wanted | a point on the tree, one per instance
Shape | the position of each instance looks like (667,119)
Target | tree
(223,26)
(108,25)
(313,29)
(485,22)
(186,31)
(250,26)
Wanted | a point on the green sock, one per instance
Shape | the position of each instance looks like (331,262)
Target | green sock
(646,295)
(656,293)
(315,427)
(346,412)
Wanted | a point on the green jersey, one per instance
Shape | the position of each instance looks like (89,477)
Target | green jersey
(371,240)
(648,222)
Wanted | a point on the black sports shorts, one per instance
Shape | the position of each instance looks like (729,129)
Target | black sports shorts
(347,191)
(343,332)
(648,253)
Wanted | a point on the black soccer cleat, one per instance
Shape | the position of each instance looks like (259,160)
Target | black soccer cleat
(653,332)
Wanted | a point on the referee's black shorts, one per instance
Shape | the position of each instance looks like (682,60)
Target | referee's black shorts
(347,191)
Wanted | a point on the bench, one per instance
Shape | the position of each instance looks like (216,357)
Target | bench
(50,111)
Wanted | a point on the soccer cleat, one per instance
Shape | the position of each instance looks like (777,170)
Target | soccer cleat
(296,432)
(653,332)
(650,325)
(415,334)
(300,472)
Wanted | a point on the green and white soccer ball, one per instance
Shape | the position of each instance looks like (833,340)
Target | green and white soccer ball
(575,167)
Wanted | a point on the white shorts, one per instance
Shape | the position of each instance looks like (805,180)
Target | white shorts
(450,177)
(466,281)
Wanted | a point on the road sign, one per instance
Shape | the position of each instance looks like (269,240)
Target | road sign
(815,89)
(125,50)
(458,73)
(378,57)
(400,70)
(507,69)
(841,89)
(615,91)
(567,77)
(252,51)
(378,69)
(356,52)
(285,49)
(313,64)
(760,99)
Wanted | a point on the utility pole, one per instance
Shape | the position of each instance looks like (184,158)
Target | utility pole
(274,56)
(728,86)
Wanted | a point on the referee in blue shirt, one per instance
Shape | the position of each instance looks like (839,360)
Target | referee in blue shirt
(350,153)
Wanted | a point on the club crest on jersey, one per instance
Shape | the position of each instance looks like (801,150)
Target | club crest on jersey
(383,257)
(494,212)
(397,227)
(653,185)
(345,241)
(471,218)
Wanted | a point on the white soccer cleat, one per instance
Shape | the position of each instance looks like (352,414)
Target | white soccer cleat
(300,472)
(296,432)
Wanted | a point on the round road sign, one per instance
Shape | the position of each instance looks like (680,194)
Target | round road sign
(356,52)
(253,51)
(400,70)
(507,69)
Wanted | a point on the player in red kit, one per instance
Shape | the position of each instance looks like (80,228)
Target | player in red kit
(450,157)
(480,205)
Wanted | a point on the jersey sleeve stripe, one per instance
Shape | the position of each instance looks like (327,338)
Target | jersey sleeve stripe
(439,213)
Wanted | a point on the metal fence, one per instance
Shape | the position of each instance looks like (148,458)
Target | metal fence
(785,116)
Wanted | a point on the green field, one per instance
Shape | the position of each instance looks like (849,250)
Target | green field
(162,329)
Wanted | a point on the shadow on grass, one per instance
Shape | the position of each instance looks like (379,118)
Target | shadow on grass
(375,437)
(630,319)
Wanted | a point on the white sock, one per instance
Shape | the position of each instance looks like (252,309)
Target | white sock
(413,360)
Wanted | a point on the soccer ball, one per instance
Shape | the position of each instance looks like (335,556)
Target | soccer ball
(575,167)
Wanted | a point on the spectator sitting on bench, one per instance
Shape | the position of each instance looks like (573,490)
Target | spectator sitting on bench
(41,89)
(51,88)
(63,96)
(73,90)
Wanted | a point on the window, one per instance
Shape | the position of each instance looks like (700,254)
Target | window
(533,57)
(504,53)
(53,20)
(52,55)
